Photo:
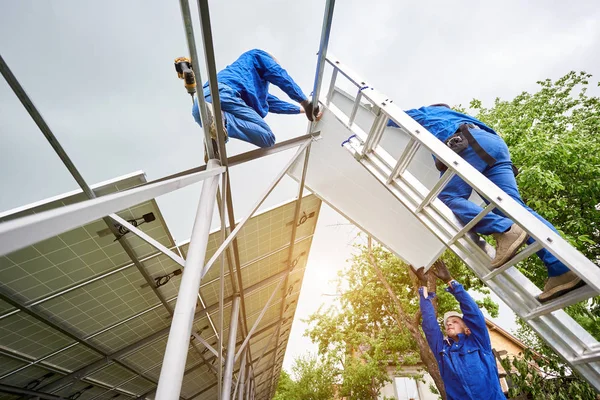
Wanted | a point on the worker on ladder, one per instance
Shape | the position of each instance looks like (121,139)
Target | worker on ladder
(245,98)
(487,152)
(464,356)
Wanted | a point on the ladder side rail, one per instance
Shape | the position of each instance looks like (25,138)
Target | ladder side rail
(558,246)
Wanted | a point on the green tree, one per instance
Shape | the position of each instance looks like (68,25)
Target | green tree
(377,321)
(554,139)
(285,387)
(312,380)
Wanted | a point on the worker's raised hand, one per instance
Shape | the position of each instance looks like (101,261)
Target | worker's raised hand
(441,271)
(421,274)
(310,111)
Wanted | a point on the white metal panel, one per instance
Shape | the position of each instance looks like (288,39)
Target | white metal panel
(346,186)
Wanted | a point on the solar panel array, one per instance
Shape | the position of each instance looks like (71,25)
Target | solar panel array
(77,303)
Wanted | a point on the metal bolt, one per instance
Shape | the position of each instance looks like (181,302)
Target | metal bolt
(499,198)
(337,62)
(417,131)
(549,240)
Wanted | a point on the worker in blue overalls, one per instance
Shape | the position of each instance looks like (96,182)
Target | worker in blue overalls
(464,356)
(487,152)
(245,98)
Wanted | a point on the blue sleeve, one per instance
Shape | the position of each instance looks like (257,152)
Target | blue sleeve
(278,106)
(472,315)
(431,328)
(413,113)
(273,73)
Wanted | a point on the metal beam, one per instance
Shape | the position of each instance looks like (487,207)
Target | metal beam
(45,320)
(25,392)
(293,235)
(191,42)
(237,229)
(227,379)
(22,232)
(195,367)
(325,31)
(148,239)
(242,158)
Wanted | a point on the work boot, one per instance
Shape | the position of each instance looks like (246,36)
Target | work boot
(507,244)
(558,285)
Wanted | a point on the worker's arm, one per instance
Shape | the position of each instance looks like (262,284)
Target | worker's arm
(472,315)
(431,328)
(273,73)
(279,106)
(414,114)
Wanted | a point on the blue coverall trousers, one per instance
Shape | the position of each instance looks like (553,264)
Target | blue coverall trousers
(241,121)
(456,194)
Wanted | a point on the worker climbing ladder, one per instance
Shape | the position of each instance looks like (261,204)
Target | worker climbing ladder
(549,320)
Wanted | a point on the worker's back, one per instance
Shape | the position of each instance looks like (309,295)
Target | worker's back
(246,75)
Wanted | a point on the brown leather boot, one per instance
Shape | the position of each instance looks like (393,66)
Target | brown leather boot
(507,244)
(556,286)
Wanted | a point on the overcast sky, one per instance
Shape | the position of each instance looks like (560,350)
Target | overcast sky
(101,73)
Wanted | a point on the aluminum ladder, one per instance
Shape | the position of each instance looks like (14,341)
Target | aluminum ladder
(560,331)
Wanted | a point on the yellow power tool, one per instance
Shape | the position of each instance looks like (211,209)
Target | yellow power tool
(183,66)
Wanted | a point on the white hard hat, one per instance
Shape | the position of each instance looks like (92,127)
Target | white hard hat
(451,314)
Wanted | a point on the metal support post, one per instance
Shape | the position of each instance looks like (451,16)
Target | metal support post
(242,380)
(211,69)
(191,41)
(228,378)
(325,31)
(171,374)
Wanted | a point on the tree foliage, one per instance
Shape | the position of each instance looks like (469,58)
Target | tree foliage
(312,380)
(554,139)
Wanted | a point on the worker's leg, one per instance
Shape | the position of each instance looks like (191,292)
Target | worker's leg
(502,175)
(241,121)
(456,196)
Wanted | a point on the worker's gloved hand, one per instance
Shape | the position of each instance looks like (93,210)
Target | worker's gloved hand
(441,271)
(310,111)
(421,274)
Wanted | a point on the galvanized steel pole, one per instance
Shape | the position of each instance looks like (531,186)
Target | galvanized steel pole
(171,374)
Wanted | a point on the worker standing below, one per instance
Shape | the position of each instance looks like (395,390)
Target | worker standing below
(245,98)
(464,356)
(487,152)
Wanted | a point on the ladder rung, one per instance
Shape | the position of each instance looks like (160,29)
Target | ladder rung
(376,132)
(563,301)
(437,188)
(586,357)
(331,86)
(403,162)
(472,223)
(355,108)
(520,256)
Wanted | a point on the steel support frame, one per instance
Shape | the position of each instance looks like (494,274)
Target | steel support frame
(103,200)
(195,367)
(31,229)
(228,376)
